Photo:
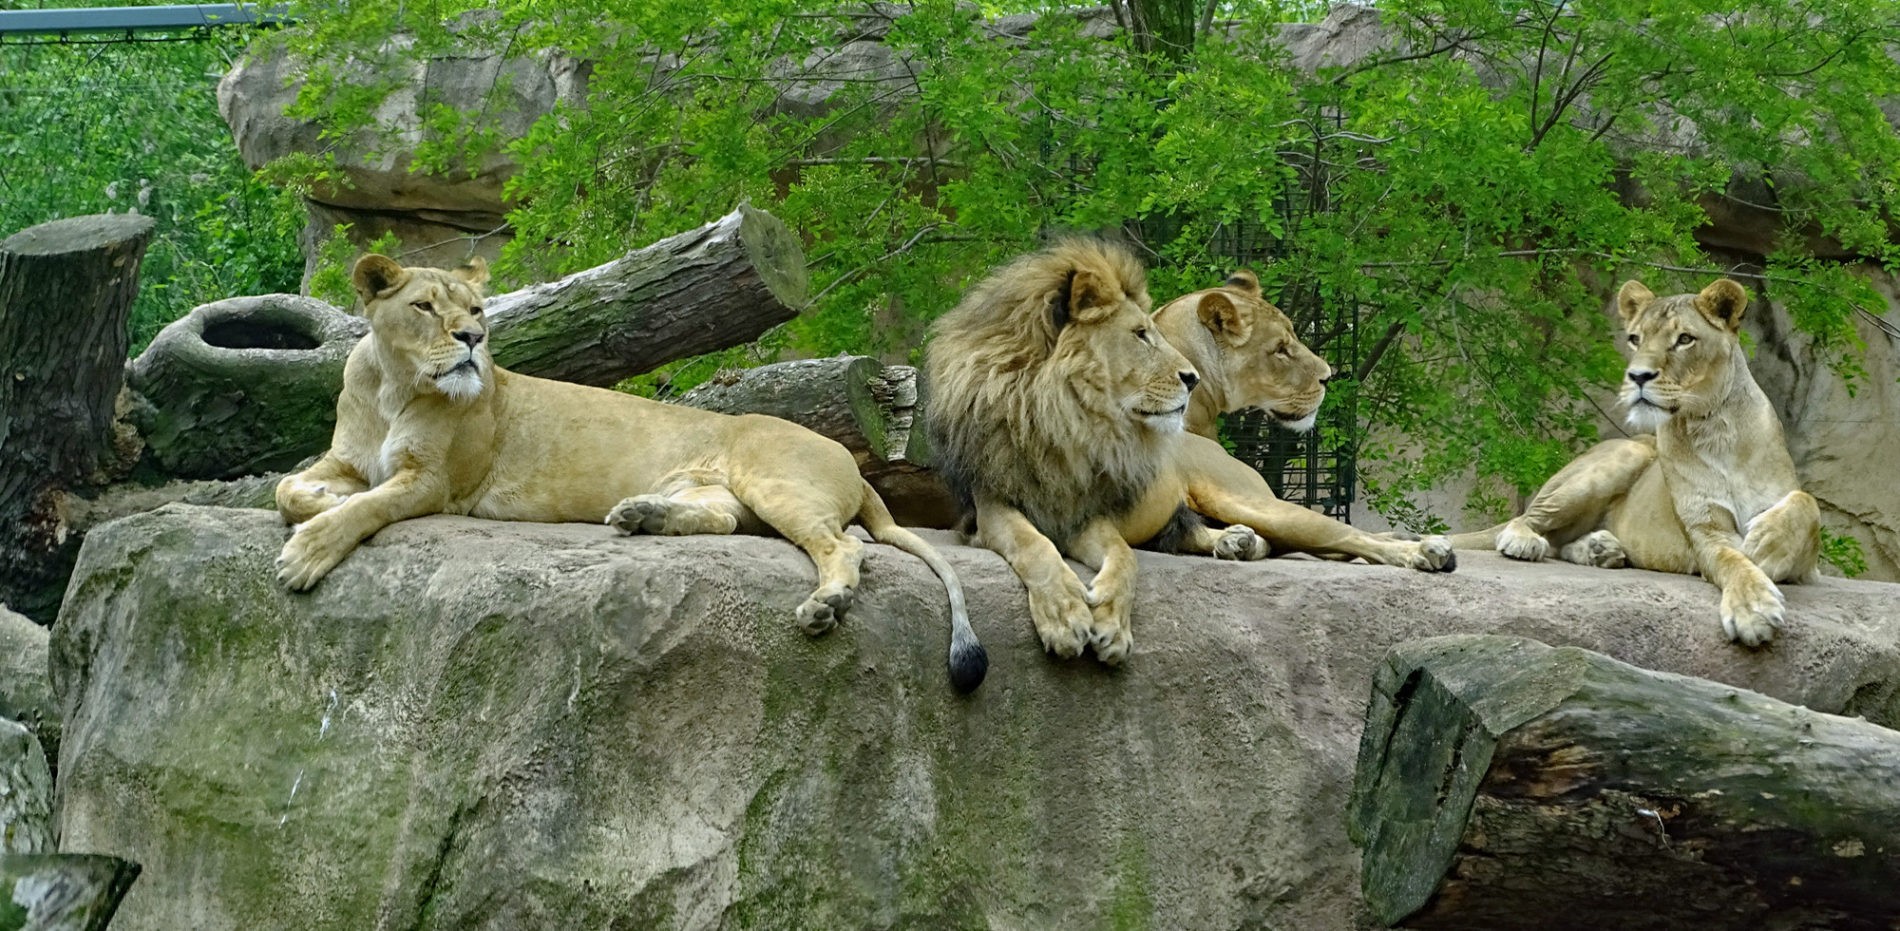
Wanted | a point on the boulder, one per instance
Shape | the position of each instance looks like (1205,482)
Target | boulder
(26,794)
(473,724)
(26,695)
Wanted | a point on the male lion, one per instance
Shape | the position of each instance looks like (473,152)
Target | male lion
(1249,356)
(1713,491)
(427,424)
(1054,404)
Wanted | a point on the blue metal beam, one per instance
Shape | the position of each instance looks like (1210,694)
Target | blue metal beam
(131,19)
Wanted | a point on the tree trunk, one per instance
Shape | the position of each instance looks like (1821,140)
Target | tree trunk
(1503,783)
(66,290)
(62,891)
(721,285)
(868,407)
(249,384)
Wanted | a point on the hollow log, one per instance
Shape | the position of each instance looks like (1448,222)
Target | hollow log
(242,385)
(869,407)
(62,891)
(249,384)
(1503,783)
(66,290)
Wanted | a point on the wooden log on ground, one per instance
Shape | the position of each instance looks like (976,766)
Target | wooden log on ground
(721,285)
(250,384)
(66,290)
(1502,783)
(869,407)
(62,891)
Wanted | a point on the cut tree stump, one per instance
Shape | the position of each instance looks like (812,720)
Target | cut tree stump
(249,384)
(66,290)
(1503,783)
(62,891)
(869,407)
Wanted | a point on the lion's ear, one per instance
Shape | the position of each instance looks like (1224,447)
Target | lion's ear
(1090,298)
(375,274)
(1228,321)
(1631,299)
(1723,303)
(474,271)
(1243,280)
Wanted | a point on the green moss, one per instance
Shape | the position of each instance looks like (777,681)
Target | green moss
(1130,907)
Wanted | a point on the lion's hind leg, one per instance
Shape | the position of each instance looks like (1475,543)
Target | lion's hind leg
(1188,533)
(813,522)
(691,501)
(1599,548)
(1573,502)
(1785,540)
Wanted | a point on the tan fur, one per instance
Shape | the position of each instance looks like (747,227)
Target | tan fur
(428,424)
(1714,491)
(1054,404)
(1250,356)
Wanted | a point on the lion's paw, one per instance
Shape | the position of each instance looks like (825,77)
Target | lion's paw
(1599,548)
(1435,555)
(640,514)
(1110,631)
(1752,610)
(314,548)
(1520,542)
(1062,620)
(1239,541)
(821,611)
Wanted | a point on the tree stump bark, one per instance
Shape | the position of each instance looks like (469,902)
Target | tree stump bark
(66,290)
(717,286)
(869,407)
(62,891)
(1502,783)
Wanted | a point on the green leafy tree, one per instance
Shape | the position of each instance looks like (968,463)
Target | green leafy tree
(92,127)
(1470,190)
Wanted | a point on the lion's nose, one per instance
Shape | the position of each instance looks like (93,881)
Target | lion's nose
(1641,377)
(472,337)
(1190,379)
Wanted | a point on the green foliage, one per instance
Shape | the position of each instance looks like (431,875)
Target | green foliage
(91,128)
(336,255)
(1475,190)
(1843,553)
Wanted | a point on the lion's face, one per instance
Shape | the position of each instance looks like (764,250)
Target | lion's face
(1262,362)
(1681,349)
(430,320)
(1118,363)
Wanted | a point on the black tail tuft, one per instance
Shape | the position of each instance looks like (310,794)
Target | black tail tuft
(1451,565)
(969,663)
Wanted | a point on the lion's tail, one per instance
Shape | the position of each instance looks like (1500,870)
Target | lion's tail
(1477,539)
(969,662)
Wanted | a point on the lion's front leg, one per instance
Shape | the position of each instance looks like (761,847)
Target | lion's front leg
(1058,604)
(326,484)
(318,544)
(1785,540)
(1112,595)
(1752,607)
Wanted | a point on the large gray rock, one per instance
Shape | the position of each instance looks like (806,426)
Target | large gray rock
(481,725)
(26,695)
(26,794)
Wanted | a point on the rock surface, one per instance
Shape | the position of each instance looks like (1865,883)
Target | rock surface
(26,695)
(482,725)
(26,794)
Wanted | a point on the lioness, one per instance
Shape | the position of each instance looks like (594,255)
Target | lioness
(427,424)
(1713,491)
(1249,356)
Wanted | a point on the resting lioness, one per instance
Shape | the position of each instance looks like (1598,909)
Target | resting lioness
(428,424)
(1713,491)
(1249,356)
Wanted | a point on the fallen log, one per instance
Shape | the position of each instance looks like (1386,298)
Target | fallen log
(249,385)
(66,290)
(62,891)
(1502,783)
(868,407)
